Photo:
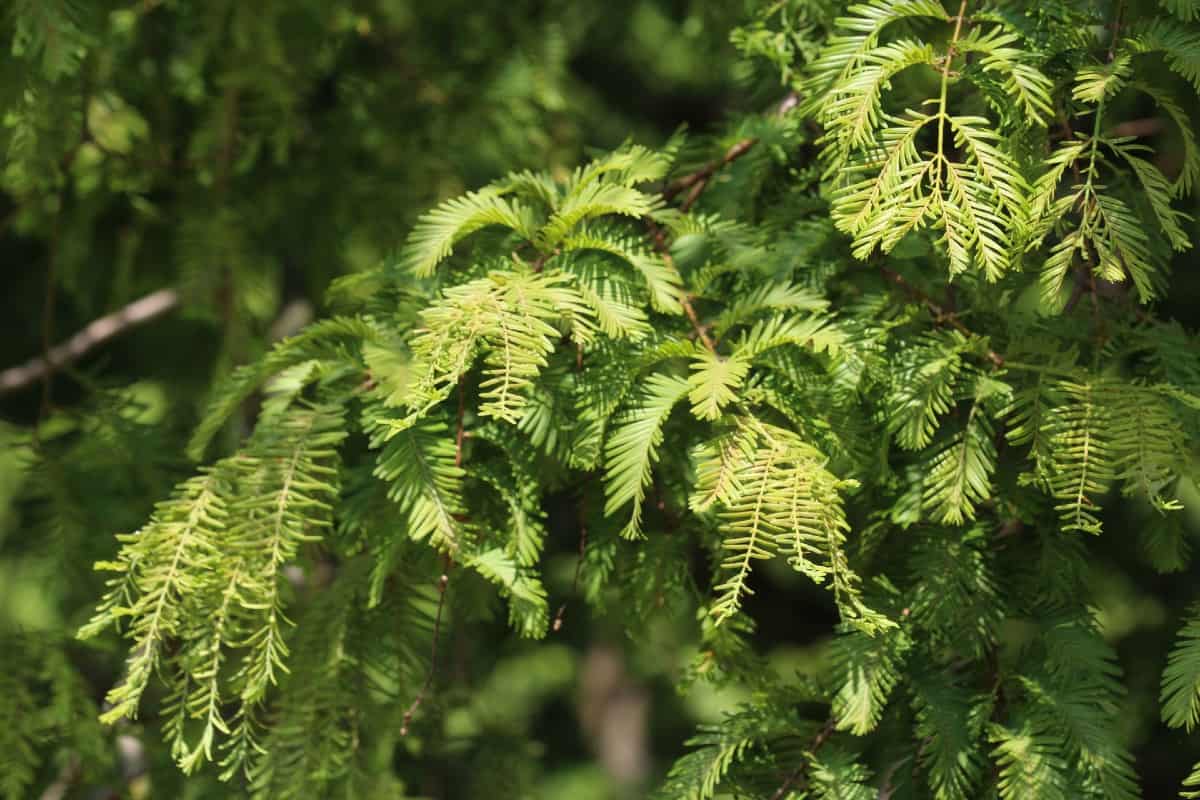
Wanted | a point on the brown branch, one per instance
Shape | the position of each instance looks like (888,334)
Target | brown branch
(697,181)
(940,314)
(950,51)
(663,249)
(686,302)
(1068,134)
(1077,290)
(443,581)
(97,332)
(1012,527)
(541,260)
(790,101)
(888,788)
(799,772)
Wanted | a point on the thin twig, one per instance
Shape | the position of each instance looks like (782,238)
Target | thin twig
(799,772)
(1069,136)
(697,180)
(664,250)
(1116,34)
(97,332)
(583,540)
(696,183)
(958,21)
(443,581)
(1012,527)
(888,788)
(951,50)
(940,315)
(790,101)
(1146,126)
(1085,280)
(544,257)
(686,302)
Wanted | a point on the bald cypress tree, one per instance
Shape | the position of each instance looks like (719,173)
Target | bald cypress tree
(900,354)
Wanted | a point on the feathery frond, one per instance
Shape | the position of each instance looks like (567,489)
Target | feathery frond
(1181,678)
(925,383)
(526,597)
(952,721)
(869,669)
(697,775)
(205,578)
(425,483)
(783,499)
(505,318)
(886,185)
(632,447)
(439,230)
(1030,764)
(1083,460)
(158,568)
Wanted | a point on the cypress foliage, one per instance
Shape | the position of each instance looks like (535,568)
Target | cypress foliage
(907,333)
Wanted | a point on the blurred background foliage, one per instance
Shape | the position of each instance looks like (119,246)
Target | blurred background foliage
(245,154)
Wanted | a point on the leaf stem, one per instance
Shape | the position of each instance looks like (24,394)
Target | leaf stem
(443,581)
(958,21)
(822,736)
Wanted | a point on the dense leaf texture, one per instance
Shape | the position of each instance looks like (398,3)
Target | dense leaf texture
(858,410)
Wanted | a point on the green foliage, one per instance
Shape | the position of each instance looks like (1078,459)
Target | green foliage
(910,328)
(1181,679)
(631,449)
(206,577)
(782,498)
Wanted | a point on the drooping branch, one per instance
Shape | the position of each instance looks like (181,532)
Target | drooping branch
(140,311)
